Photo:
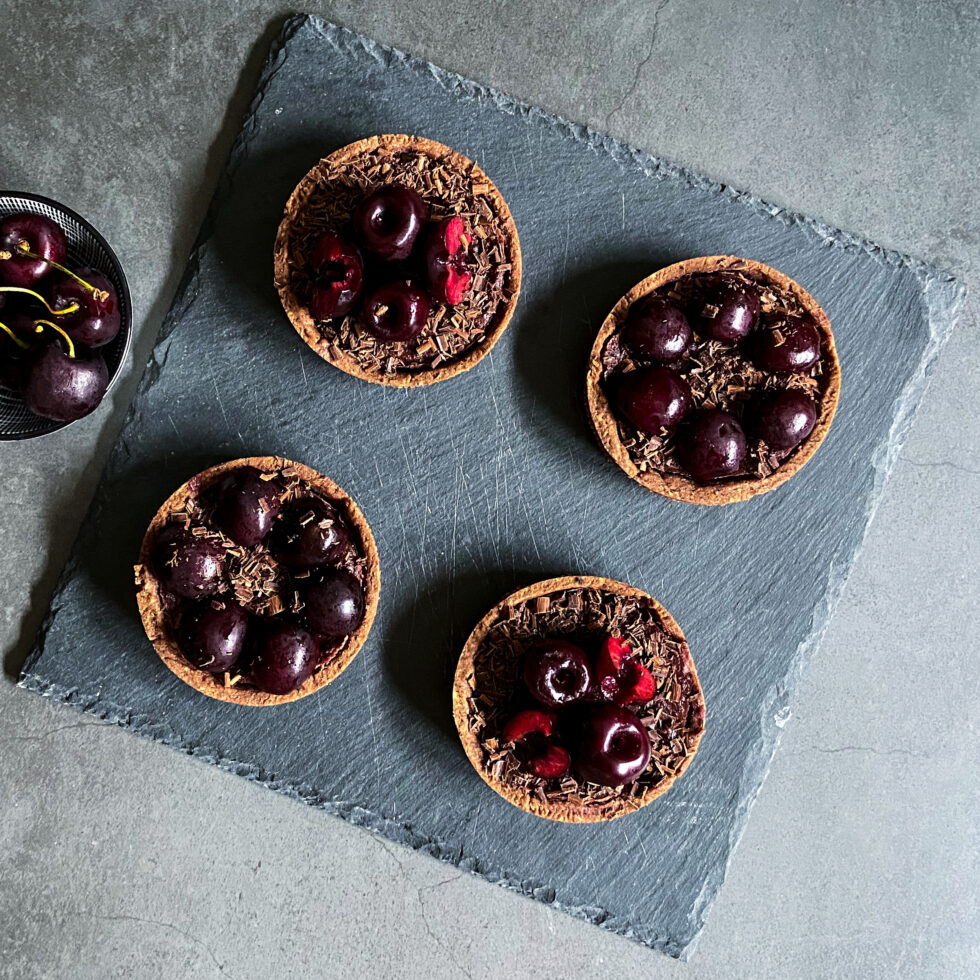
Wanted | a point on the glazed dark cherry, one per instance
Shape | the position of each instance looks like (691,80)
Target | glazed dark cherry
(247,506)
(784,419)
(43,237)
(711,445)
(187,564)
(657,331)
(557,672)
(309,533)
(337,277)
(284,658)
(387,222)
(62,387)
(97,320)
(446,251)
(654,398)
(212,639)
(727,311)
(396,311)
(334,604)
(614,747)
(793,349)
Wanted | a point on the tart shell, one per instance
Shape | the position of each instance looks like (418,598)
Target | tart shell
(463,689)
(675,485)
(298,312)
(151,606)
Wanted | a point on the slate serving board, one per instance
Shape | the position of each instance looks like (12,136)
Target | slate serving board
(490,481)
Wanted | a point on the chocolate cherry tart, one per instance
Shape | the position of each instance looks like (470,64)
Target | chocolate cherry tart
(713,380)
(258,581)
(577,700)
(397,261)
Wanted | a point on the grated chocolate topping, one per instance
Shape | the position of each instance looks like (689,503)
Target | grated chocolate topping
(720,376)
(674,717)
(447,190)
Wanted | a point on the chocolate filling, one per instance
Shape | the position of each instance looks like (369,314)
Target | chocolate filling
(253,577)
(674,718)
(449,331)
(720,376)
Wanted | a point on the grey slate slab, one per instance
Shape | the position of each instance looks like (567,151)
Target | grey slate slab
(490,481)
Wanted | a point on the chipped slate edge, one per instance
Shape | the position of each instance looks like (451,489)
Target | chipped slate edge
(942,297)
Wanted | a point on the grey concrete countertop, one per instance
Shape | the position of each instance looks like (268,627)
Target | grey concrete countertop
(862,856)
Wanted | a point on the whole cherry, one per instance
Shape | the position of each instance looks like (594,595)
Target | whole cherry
(34,233)
(790,347)
(446,251)
(334,604)
(396,311)
(614,747)
(654,398)
(188,564)
(97,320)
(65,386)
(284,657)
(728,310)
(248,503)
(337,277)
(711,445)
(309,533)
(657,330)
(212,636)
(557,672)
(784,418)
(388,221)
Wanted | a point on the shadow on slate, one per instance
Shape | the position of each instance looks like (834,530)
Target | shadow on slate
(490,481)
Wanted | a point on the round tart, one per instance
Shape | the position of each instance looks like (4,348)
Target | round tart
(713,380)
(576,699)
(397,260)
(258,581)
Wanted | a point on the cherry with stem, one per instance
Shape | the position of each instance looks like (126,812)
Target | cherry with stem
(24,249)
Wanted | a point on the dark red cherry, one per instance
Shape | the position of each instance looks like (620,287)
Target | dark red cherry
(65,388)
(188,564)
(43,237)
(785,418)
(614,747)
(337,277)
(310,533)
(284,658)
(657,330)
(727,310)
(790,347)
(212,639)
(654,398)
(387,222)
(97,320)
(334,604)
(446,251)
(711,445)
(247,506)
(557,672)
(396,311)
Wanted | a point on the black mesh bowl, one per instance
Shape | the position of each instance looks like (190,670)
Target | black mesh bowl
(85,247)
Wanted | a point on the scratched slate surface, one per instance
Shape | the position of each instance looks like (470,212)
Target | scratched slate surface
(492,480)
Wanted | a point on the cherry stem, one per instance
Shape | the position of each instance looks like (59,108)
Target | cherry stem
(39,326)
(20,343)
(71,308)
(24,249)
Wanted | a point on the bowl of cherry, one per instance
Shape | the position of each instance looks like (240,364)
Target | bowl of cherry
(65,316)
